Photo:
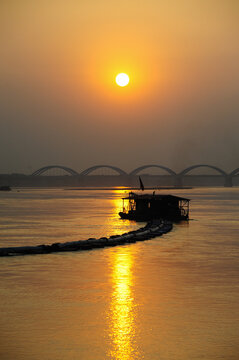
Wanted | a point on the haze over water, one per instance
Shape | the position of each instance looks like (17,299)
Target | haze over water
(59,103)
(172,298)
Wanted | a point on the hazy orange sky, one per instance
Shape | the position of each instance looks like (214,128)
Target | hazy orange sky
(59,103)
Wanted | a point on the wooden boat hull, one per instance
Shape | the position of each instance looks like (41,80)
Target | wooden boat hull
(137,217)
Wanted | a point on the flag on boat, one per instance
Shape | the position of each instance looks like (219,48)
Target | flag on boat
(141,184)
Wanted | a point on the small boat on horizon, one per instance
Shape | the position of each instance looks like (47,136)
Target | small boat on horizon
(5,188)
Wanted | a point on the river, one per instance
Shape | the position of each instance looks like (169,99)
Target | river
(174,297)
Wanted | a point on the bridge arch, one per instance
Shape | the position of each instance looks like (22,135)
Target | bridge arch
(93,168)
(46,168)
(137,170)
(234,172)
(190,168)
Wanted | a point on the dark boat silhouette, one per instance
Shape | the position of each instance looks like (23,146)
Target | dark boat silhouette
(145,207)
(150,206)
(5,188)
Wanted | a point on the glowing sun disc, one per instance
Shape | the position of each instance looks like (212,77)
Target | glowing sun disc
(122,79)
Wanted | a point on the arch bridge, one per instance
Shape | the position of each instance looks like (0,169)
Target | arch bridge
(178,177)
(46,168)
(93,168)
(139,169)
(190,168)
(227,178)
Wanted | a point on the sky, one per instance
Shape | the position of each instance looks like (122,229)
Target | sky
(60,105)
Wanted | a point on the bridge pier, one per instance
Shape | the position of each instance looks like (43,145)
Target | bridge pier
(178,181)
(228,181)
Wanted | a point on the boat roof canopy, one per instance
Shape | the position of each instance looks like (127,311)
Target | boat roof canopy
(148,197)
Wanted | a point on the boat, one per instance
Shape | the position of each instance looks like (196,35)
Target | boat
(5,188)
(145,207)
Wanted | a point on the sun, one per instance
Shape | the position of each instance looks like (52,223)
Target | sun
(122,79)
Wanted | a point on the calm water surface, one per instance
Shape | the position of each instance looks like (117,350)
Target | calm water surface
(171,298)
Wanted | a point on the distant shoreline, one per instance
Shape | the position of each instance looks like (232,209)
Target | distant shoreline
(131,188)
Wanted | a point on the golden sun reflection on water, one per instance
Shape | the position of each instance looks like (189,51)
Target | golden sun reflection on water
(122,308)
(114,225)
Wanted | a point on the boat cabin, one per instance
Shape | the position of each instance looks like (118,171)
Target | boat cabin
(147,207)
